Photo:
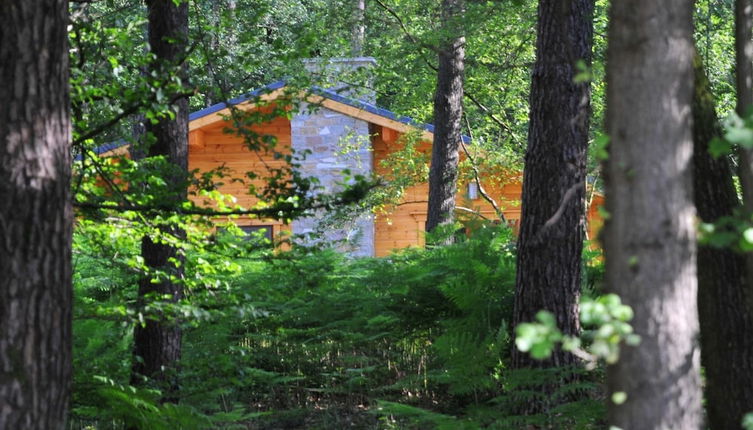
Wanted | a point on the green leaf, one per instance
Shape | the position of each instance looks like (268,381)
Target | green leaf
(546,318)
(600,144)
(525,336)
(619,397)
(542,350)
(748,421)
(719,147)
(740,135)
(746,240)
(623,313)
(584,72)
(633,340)
(570,343)
(748,235)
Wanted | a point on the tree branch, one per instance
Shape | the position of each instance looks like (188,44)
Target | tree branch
(272,212)
(420,44)
(569,194)
(477,176)
(116,119)
(410,36)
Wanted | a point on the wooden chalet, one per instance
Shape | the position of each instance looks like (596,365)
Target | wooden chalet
(371,135)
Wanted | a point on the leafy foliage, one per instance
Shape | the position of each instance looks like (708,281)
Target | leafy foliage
(308,338)
(419,338)
(607,318)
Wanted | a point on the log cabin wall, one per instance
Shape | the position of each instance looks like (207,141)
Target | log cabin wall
(327,133)
(404,226)
(336,142)
(210,147)
(340,136)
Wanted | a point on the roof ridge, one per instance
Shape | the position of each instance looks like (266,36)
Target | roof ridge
(324,92)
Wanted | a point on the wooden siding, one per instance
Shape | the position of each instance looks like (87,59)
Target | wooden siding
(404,226)
(210,148)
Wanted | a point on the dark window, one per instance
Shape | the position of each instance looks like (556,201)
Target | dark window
(252,231)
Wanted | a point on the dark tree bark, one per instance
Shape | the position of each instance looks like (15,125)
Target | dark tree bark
(157,344)
(744,80)
(650,241)
(35,215)
(168,40)
(448,114)
(726,320)
(744,77)
(553,202)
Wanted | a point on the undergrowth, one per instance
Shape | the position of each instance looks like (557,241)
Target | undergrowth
(314,339)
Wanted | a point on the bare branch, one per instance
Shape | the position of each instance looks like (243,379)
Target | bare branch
(457,208)
(569,195)
(410,36)
(469,210)
(477,176)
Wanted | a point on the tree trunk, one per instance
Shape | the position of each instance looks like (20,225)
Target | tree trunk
(358,36)
(35,215)
(726,321)
(157,344)
(448,114)
(650,246)
(744,78)
(553,202)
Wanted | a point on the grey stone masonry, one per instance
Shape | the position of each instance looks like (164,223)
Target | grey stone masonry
(337,142)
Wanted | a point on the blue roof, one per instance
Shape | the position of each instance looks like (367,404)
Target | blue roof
(329,94)
(109,146)
(368,107)
(376,110)
(236,101)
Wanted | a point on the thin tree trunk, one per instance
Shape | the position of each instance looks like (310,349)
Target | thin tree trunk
(553,208)
(650,241)
(35,215)
(448,114)
(726,320)
(358,36)
(157,344)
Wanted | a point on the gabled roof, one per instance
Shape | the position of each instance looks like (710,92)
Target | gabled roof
(217,107)
(109,146)
(316,90)
(317,95)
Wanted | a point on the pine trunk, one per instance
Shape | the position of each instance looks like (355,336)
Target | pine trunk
(553,202)
(726,320)
(650,240)
(744,78)
(157,344)
(448,115)
(35,216)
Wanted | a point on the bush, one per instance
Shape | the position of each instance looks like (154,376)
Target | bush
(314,339)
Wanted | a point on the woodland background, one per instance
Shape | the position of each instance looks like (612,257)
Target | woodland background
(123,307)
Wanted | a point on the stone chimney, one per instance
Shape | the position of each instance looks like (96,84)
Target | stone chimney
(337,142)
